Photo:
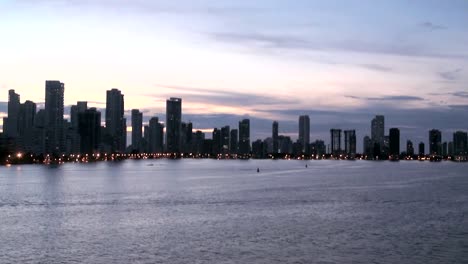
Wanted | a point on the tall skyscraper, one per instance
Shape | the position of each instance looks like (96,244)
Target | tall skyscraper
(335,141)
(422,149)
(368,146)
(173,125)
(378,130)
(435,142)
(350,142)
(156,136)
(54,129)
(394,138)
(80,107)
(275,137)
(216,136)
(116,123)
(10,123)
(225,136)
(26,117)
(409,148)
(244,137)
(304,132)
(137,127)
(89,127)
(234,144)
(460,143)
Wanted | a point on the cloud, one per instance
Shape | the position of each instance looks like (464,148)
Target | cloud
(461,94)
(451,75)
(388,98)
(376,67)
(223,97)
(294,42)
(431,26)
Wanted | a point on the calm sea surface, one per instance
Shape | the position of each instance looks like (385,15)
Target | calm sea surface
(207,211)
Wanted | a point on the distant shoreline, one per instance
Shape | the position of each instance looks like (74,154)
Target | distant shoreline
(20,159)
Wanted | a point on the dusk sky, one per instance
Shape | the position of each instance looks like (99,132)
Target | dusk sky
(341,62)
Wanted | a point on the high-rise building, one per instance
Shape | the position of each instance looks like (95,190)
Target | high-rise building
(394,142)
(350,142)
(234,144)
(422,150)
(367,146)
(244,137)
(275,137)
(304,132)
(89,127)
(26,117)
(10,123)
(335,141)
(116,123)
(156,136)
(80,107)
(444,149)
(54,128)
(460,143)
(137,127)
(225,134)
(435,142)
(450,149)
(409,148)
(173,125)
(216,145)
(378,130)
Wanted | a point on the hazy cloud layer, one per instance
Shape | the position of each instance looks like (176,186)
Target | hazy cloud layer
(283,41)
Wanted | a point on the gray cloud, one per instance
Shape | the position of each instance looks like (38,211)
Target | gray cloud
(388,98)
(223,97)
(462,94)
(431,26)
(451,75)
(376,67)
(283,41)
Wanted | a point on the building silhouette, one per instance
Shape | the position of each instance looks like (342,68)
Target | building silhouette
(335,135)
(274,132)
(137,127)
(394,142)
(89,127)
(367,146)
(244,137)
(116,123)
(234,144)
(173,125)
(460,143)
(409,148)
(156,136)
(225,139)
(54,123)
(435,142)
(26,117)
(304,132)
(422,150)
(378,131)
(10,123)
(350,142)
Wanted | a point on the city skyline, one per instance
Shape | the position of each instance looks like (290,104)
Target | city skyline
(48,131)
(262,60)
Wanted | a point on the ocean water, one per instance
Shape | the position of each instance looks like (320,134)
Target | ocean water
(209,211)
